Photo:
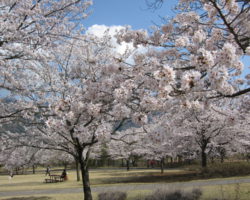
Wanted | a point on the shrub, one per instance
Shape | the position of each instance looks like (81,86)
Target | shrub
(112,196)
(196,193)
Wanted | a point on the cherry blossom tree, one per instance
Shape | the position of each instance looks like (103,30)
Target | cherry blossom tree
(229,16)
(80,97)
(126,144)
(160,139)
(209,129)
(242,142)
(198,54)
(14,159)
(29,29)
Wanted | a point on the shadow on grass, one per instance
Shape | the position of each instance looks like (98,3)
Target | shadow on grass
(212,171)
(151,178)
(29,198)
(129,174)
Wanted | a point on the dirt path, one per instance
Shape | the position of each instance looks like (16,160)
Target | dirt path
(129,187)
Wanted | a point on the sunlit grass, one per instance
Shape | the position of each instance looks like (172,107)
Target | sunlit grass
(34,182)
(98,177)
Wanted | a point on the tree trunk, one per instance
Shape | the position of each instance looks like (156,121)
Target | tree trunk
(78,178)
(221,159)
(33,169)
(85,180)
(222,154)
(162,165)
(203,158)
(128,167)
(134,163)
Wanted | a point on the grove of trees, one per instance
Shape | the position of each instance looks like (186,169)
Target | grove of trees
(66,92)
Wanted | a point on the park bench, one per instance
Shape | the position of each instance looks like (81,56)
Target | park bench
(54,179)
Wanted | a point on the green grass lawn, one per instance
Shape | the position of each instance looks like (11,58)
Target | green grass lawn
(98,177)
(107,177)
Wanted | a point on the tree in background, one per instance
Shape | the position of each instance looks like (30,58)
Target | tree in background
(19,159)
(209,128)
(126,144)
(160,138)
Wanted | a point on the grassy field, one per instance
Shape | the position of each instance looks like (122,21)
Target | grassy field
(98,177)
(116,177)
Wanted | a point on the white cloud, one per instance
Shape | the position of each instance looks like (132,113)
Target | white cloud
(100,30)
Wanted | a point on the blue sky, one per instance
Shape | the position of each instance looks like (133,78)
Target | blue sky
(127,12)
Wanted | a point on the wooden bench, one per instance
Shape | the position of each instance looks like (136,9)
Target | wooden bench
(54,179)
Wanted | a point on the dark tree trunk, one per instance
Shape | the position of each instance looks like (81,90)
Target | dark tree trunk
(85,180)
(222,159)
(162,165)
(127,163)
(134,163)
(222,154)
(85,173)
(33,169)
(78,178)
(203,158)
(203,146)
